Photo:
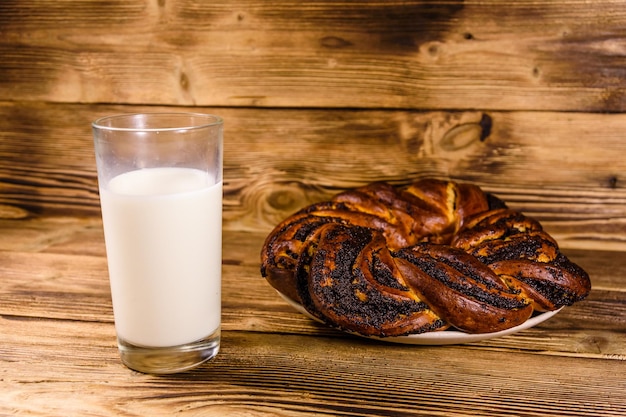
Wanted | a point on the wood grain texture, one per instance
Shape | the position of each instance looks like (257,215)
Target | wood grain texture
(60,273)
(495,55)
(58,354)
(259,374)
(566,169)
(524,98)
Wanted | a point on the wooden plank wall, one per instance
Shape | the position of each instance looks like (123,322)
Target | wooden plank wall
(524,98)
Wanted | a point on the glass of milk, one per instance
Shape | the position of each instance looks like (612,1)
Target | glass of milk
(160,180)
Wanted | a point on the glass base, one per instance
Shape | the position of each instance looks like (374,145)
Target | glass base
(169,360)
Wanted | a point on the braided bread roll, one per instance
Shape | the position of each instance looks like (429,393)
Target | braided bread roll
(385,261)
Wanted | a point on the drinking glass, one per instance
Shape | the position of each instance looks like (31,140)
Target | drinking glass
(160,181)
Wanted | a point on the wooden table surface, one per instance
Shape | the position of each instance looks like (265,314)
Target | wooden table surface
(527,99)
(58,354)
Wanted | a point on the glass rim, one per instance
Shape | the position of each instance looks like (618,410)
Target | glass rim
(208,121)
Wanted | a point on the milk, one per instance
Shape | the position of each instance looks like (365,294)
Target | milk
(163,232)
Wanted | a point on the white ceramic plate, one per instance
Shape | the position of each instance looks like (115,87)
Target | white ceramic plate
(445,337)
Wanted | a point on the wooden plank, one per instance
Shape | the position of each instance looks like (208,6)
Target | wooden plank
(565,169)
(497,55)
(58,354)
(72,368)
(64,235)
(45,275)
(83,237)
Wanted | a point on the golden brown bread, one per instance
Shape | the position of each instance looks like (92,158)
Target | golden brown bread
(384,261)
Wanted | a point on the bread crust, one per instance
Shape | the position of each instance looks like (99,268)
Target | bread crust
(387,261)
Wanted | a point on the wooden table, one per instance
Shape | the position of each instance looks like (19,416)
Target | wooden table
(525,99)
(58,354)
